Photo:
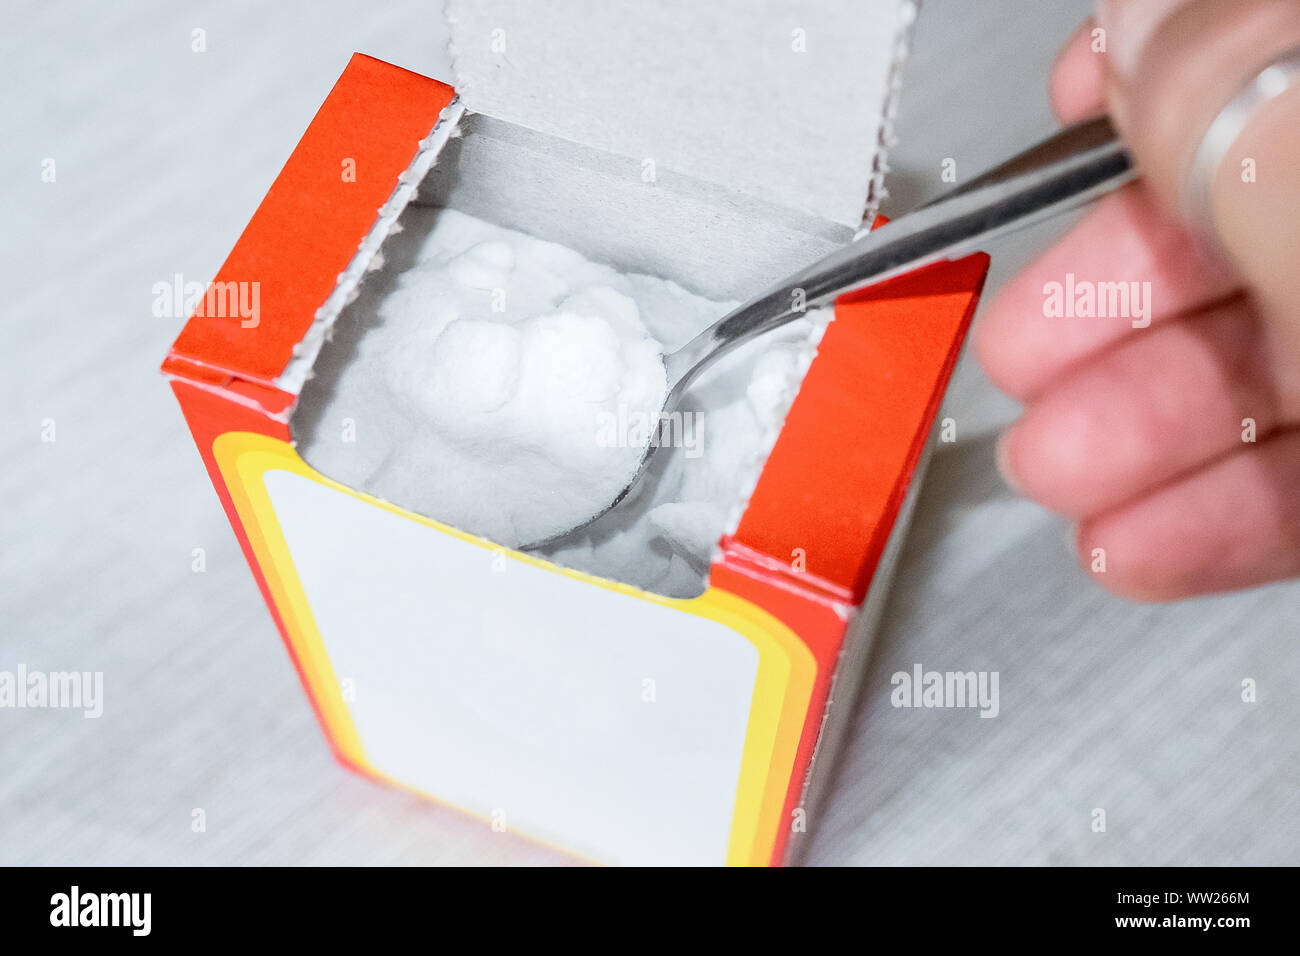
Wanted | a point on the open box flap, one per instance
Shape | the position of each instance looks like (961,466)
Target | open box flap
(780,99)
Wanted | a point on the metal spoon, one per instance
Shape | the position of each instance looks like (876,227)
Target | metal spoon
(1074,167)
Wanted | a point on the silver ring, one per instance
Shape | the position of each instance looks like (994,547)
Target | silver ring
(1278,75)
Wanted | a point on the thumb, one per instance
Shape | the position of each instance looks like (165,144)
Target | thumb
(1173,65)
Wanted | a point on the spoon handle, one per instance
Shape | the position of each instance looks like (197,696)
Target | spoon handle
(1076,166)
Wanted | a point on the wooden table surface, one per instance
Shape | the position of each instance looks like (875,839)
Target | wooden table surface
(161,154)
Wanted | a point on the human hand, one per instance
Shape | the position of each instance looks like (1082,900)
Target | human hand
(1171,438)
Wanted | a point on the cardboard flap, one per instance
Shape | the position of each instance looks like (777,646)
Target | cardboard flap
(780,99)
(871,395)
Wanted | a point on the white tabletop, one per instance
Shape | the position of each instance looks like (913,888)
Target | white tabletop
(161,154)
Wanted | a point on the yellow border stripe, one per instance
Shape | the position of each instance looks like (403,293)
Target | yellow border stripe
(782,688)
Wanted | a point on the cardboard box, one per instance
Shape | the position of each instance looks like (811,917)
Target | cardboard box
(618,725)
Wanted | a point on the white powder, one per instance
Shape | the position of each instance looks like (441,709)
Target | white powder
(504,385)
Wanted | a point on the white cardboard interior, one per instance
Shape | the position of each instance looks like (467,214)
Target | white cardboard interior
(783,100)
(713,241)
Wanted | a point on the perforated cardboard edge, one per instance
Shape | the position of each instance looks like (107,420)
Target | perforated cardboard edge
(367,257)
(876,190)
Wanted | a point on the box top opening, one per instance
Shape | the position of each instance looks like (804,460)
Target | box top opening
(784,100)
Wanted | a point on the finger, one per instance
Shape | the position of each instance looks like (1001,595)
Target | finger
(1077,85)
(1169,80)
(1246,531)
(1129,25)
(1258,216)
(1148,412)
(1025,342)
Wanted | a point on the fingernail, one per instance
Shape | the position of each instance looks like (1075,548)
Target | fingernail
(1005,467)
(1129,25)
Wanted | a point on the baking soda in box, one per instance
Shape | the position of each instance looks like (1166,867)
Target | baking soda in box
(669,686)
